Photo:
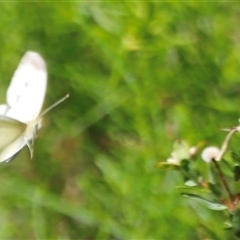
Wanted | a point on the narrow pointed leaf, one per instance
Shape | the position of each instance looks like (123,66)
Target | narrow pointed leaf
(208,204)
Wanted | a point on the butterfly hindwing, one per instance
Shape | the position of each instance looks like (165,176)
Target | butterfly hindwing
(11,137)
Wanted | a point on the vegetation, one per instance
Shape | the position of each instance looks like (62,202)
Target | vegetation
(140,75)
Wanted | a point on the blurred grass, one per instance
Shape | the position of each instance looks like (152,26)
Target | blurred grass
(140,75)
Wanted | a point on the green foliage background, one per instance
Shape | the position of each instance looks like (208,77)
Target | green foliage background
(140,75)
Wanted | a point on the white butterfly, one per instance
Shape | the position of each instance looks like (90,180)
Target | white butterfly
(20,118)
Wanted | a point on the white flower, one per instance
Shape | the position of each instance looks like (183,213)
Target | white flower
(210,153)
(173,159)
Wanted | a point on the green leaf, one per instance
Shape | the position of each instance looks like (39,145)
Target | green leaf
(236,222)
(228,226)
(215,189)
(236,157)
(208,204)
(166,165)
(236,173)
(196,188)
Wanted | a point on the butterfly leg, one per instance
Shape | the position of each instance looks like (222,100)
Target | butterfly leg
(30,147)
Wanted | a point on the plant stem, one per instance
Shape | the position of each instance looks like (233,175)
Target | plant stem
(224,181)
(226,143)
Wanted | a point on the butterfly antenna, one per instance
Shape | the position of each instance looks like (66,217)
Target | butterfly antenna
(55,104)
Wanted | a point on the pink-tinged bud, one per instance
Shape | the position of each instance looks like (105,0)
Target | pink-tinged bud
(210,153)
(193,150)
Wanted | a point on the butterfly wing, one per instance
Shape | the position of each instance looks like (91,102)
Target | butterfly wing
(11,137)
(26,92)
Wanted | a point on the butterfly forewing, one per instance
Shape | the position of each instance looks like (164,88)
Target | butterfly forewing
(26,92)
